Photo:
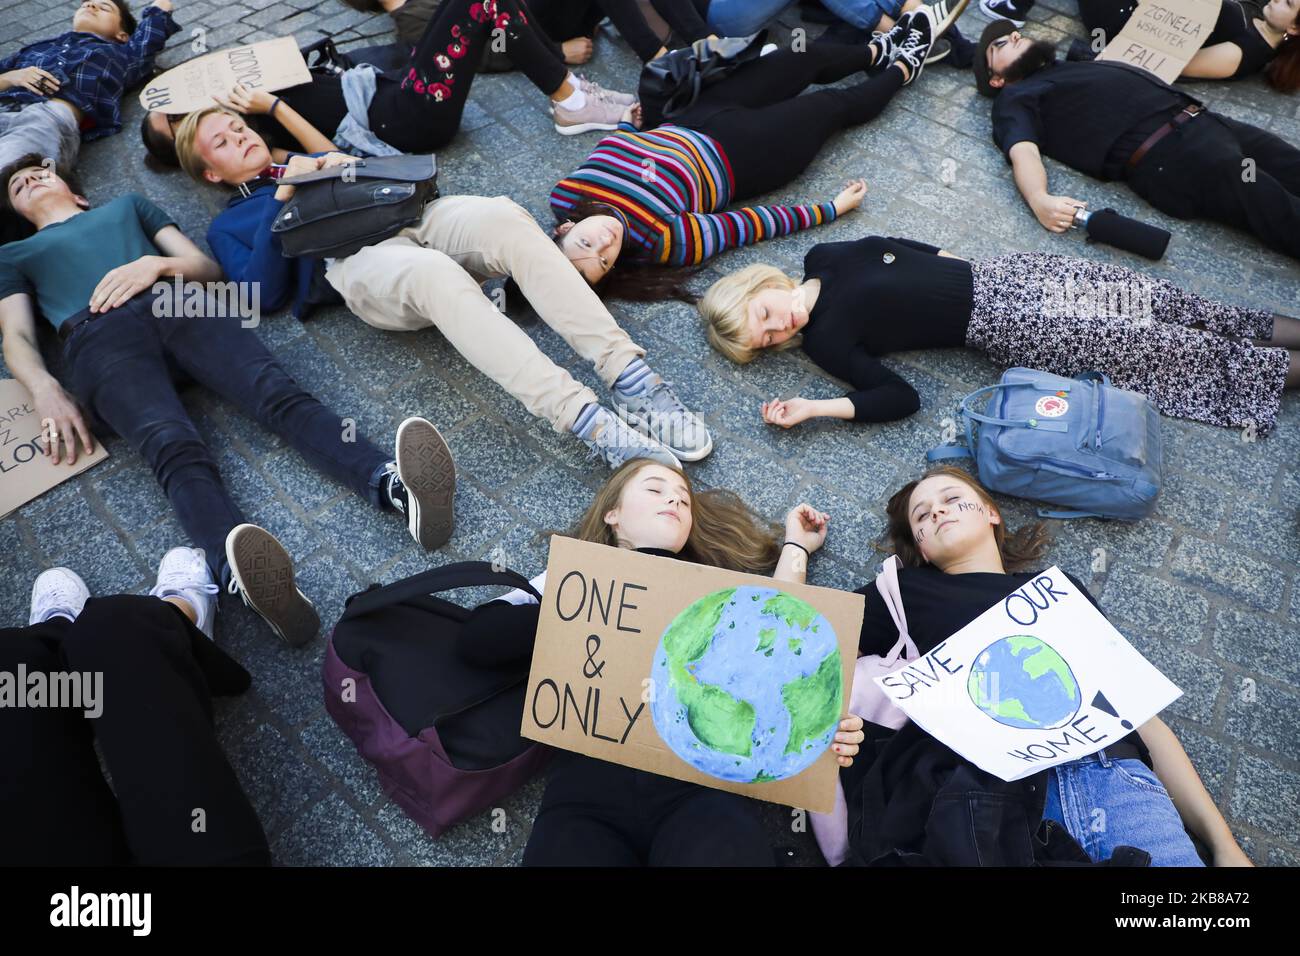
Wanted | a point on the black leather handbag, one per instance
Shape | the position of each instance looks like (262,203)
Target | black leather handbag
(337,211)
(671,84)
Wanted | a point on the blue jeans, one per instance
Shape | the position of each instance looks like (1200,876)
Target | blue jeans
(124,366)
(740,18)
(1106,803)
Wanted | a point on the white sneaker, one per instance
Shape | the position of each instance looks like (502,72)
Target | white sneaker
(184,573)
(58,592)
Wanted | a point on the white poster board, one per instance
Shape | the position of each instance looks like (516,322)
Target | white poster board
(269,65)
(1039,679)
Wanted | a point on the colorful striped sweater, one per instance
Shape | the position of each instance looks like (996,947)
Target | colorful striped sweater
(672,183)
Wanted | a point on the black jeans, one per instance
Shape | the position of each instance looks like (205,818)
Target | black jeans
(768,131)
(156,735)
(418,107)
(1222,169)
(124,366)
(596,813)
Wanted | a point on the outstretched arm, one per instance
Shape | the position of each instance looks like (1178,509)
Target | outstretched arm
(1218,62)
(150,36)
(1192,800)
(1055,213)
(23,357)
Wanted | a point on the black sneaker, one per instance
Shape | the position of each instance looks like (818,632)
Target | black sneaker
(887,44)
(914,49)
(939,50)
(1017,11)
(261,572)
(424,486)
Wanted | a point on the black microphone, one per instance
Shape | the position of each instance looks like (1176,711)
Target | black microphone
(1123,232)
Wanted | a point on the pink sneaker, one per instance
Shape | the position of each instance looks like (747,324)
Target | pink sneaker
(596,113)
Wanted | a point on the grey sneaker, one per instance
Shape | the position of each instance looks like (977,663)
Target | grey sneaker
(612,440)
(598,113)
(592,88)
(659,413)
(261,572)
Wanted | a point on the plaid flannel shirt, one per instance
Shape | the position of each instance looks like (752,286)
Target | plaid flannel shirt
(93,72)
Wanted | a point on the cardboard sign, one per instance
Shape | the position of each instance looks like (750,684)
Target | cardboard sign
(1162,36)
(269,65)
(728,680)
(1039,679)
(25,472)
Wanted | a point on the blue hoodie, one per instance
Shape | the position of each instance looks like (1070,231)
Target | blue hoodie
(241,239)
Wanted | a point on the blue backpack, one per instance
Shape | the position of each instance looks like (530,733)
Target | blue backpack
(1080,443)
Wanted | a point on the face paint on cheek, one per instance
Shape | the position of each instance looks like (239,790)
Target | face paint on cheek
(970,506)
(920,534)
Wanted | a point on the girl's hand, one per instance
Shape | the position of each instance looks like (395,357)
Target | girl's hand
(847,739)
(806,526)
(851,197)
(633,115)
(787,412)
(335,159)
(578,50)
(241,99)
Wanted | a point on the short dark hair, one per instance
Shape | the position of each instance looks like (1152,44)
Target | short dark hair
(160,152)
(127,17)
(24,162)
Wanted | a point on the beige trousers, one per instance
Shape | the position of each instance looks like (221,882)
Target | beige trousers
(429,274)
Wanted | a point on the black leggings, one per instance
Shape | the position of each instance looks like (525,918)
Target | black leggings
(768,131)
(1109,16)
(155,732)
(418,106)
(596,813)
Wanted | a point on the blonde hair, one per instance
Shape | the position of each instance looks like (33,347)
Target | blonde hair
(725,309)
(187,153)
(725,532)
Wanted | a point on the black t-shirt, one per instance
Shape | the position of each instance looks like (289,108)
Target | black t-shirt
(879,296)
(1236,24)
(1076,112)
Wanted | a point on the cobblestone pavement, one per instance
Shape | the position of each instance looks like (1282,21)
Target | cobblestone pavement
(1208,588)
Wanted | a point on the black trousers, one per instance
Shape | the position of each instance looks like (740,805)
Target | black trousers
(769,132)
(1228,171)
(155,732)
(596,813)
(1108,16)
(418,106)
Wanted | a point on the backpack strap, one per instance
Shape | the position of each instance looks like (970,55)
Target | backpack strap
(887,585)
(1066,515)
(1036,423)
(462,574)
(944,452)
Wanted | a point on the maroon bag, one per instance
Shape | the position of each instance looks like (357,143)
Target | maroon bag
(443,735)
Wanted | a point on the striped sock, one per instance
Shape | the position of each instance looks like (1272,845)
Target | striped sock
(634,380)
(587,420)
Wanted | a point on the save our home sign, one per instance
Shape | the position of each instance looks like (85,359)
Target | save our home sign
(1039,679)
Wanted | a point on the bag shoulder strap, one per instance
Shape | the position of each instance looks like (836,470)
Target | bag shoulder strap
(462,574)
(887,585)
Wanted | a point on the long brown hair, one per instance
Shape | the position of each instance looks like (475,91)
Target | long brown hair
(725,532)
(1283,71)
(634,281)
(1024,548)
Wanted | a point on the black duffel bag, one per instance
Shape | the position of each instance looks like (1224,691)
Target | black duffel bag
(671,84)
(336,211)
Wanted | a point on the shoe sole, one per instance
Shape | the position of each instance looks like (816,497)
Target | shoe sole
(583,128)
(937,57)
(642,425)
(426,467)
(263,571)
(955,10)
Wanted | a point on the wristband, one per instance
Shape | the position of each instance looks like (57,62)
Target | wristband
(271,111)
(796,544)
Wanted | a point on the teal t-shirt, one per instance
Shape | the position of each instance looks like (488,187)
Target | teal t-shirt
(62,263)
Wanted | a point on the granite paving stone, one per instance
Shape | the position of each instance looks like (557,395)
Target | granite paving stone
(1207,587)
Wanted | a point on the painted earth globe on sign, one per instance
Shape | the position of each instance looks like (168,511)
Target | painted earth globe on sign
(748,685)
(1022,682)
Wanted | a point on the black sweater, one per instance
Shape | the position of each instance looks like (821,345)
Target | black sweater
(879,296)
